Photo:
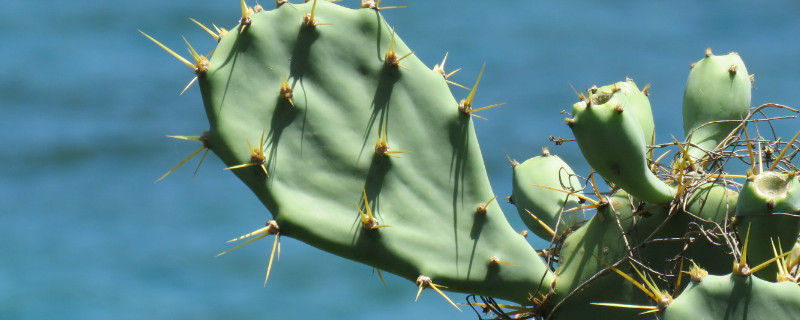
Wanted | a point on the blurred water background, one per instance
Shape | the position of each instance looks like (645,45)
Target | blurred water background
(87,102)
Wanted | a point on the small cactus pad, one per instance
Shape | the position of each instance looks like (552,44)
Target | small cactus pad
(768,208)
(611,139)
(718,89)
(542,188)
(736,298)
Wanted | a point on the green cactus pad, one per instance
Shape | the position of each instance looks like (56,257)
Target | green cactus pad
(718,89)
(735,297)
(769,207)
(533,197)
(611,139)
(340,122)
(600,238)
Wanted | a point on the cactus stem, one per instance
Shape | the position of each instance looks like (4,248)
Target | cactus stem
(257,157)
(202,138)
(375,5)
(286,90)
(484,206)
(426,282)
(783,152)
(391,58)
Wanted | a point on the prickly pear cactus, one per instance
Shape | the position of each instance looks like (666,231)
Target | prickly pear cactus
(358,148)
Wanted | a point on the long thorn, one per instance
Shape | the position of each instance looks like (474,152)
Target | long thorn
(629,278)
(436,287)
(271,256)
(189,85)
(243,243)
(471,95)
(380,275)
(622,305)
(749,148)
(254,233)
(544,225)
(573,193)
(216,36)
(182,163)
(684,154)
(186,62)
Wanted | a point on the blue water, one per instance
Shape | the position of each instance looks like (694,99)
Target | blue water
(87,101)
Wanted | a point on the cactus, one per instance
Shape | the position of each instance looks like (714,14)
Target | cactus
(359,149)
(541,204)
(608,129)
(769,210)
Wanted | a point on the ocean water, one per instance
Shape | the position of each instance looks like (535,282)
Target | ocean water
(86,102)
